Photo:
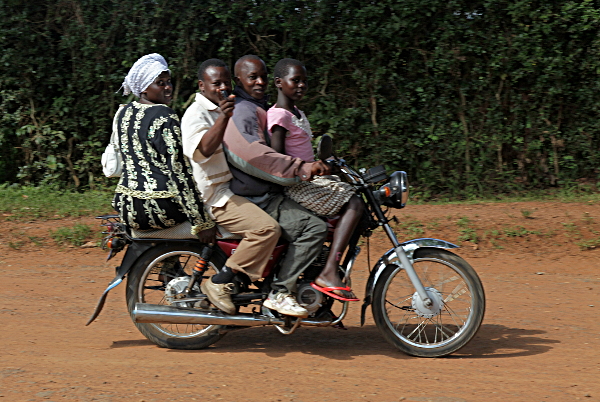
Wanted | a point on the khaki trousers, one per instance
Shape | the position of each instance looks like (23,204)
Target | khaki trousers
(260,233)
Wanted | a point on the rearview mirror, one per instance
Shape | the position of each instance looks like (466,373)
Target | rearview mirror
(325,147)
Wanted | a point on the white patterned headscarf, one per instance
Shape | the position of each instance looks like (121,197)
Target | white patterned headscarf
(143,73)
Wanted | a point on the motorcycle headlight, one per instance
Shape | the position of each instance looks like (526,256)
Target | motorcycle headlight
(394,193)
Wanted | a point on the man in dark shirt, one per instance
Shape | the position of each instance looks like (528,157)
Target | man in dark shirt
(259,174)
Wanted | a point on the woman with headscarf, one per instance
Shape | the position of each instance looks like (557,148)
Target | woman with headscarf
(156,189)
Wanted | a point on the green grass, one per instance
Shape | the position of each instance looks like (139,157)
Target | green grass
(35,240)
(76,235)
(518,231)
(20,203)
(587,219)
(574,193)
(588,244)
(495,237)
(572,230)
(527,214)
(433,225)
(16,244)
(467,233)
(410,226)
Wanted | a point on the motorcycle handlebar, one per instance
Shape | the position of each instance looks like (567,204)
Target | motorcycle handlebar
(338,166)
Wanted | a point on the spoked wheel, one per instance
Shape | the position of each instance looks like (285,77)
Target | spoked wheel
(154,279)
(438,330)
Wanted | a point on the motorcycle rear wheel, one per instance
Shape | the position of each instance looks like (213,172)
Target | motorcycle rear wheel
(146,284)
(461,305)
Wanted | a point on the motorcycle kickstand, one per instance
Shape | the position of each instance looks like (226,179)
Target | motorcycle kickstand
(291,330)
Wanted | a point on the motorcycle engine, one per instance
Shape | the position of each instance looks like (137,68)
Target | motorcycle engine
(318,264)
(310,298)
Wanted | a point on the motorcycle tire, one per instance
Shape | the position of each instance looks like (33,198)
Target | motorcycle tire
(459,302)
(146,284)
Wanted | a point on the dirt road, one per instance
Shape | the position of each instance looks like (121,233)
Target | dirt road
(540,340)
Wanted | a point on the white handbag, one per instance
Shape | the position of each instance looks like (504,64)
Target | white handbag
(112,160)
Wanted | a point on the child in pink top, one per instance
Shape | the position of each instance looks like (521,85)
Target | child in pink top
(297,142)
(291,135)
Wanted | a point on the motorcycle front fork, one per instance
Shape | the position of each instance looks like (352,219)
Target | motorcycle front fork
(408,267)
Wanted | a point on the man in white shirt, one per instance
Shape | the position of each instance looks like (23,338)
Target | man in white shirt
(202,128)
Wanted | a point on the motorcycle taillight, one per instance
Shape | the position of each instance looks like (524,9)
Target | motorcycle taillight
(116,243)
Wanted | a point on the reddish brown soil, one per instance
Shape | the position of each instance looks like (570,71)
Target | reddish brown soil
(539,340)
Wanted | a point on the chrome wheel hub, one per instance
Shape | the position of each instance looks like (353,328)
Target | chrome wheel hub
(177,286)
(428,312)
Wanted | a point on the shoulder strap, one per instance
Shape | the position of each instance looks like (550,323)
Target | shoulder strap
(114,136)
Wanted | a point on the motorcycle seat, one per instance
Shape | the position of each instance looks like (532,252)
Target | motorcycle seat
(181,231)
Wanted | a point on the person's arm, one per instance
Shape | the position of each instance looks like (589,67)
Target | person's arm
(278,134)
(247,151)
(214,136)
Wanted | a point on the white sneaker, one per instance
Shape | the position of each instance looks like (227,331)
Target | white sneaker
(286,304)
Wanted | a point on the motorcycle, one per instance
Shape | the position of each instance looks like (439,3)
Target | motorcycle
(426,301)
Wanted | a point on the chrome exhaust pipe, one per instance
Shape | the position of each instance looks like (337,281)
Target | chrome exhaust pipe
(161,314)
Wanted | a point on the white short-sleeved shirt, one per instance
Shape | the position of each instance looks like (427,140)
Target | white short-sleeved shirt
(211,174)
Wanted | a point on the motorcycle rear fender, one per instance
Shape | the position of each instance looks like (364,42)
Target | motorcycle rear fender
(410,247)
(133,252)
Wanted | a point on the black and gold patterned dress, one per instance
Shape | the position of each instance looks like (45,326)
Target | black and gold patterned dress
(156,189)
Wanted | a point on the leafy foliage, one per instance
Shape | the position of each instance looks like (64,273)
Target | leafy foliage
(470,97)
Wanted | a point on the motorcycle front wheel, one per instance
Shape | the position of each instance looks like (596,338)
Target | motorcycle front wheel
(147,283)
(459,304)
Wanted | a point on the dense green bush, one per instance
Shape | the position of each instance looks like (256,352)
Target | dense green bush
(470,97)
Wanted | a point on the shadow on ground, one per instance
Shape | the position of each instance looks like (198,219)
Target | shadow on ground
(492,341)
(498,341)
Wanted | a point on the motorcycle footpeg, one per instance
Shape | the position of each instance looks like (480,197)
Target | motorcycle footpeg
(245,298)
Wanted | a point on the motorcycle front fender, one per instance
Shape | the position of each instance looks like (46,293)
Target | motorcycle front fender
(386,259)
(133,252)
